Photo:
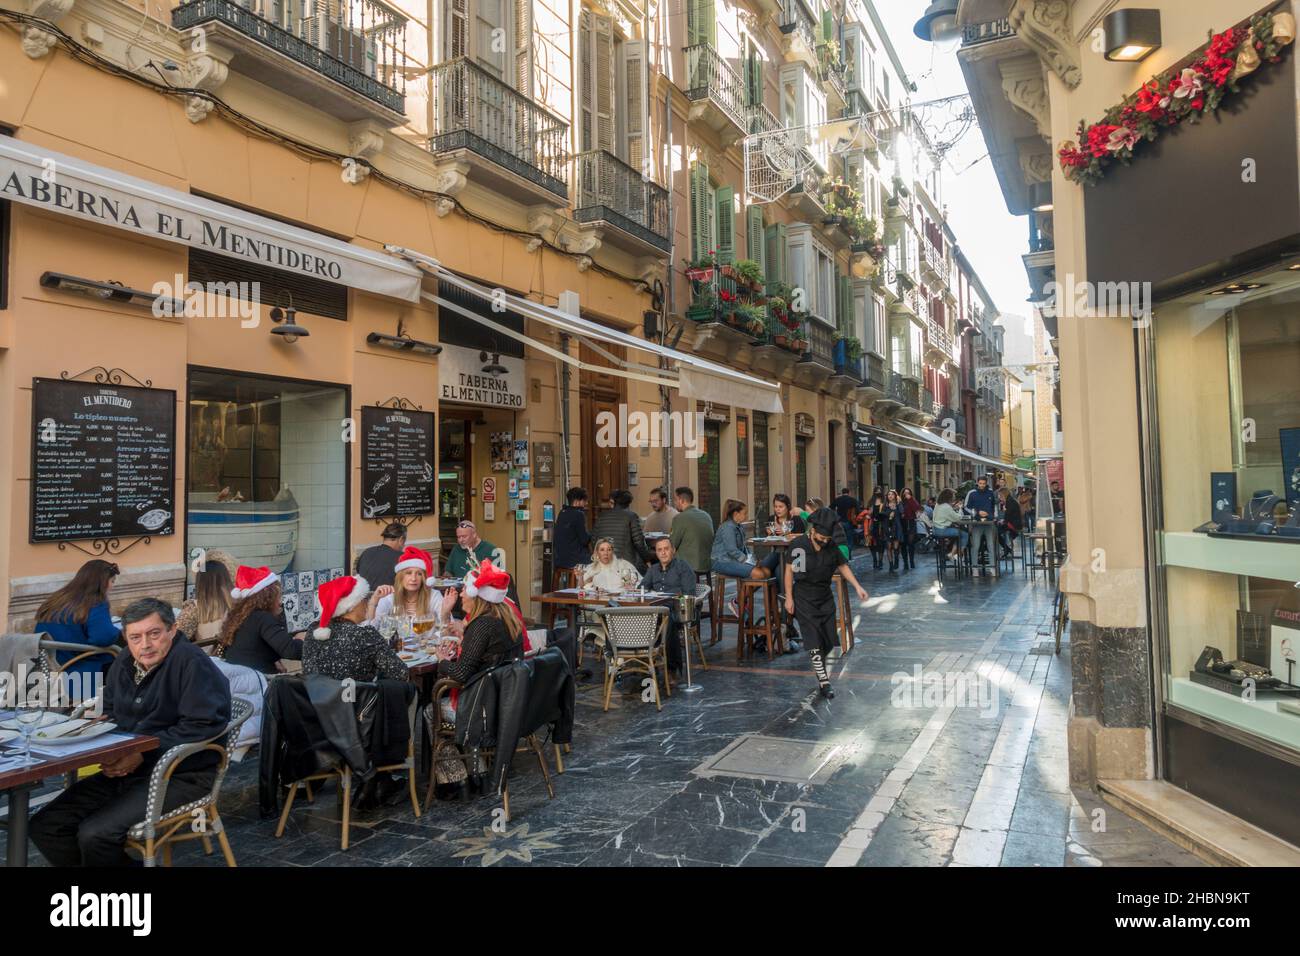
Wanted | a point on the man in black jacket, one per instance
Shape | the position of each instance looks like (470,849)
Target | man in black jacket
(165,687)
(623,528)
(572,539)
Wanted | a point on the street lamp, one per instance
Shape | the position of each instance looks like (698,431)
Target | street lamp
(938,25)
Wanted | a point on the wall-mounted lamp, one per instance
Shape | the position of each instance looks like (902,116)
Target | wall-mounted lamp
(290,330)
(112,291)
(494,367)
(938,25)
(403,342)
(1040,197)
(1131,35)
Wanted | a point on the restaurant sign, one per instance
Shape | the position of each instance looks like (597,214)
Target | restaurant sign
(864,444)
(72,187)
(461,379)
(804,425)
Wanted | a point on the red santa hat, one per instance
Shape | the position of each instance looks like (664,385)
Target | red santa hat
(338,597)
(488,582)
(248,581)
(413,557)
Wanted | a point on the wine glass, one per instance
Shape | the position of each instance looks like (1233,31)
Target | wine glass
(29,718)
(388,629)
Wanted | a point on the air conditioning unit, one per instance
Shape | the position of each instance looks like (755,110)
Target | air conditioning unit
(349,46)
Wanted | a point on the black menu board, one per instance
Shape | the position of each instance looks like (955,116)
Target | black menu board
(396,462)
(103,460)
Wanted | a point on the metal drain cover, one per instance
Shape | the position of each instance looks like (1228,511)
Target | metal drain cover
(1045,647)
(755,757)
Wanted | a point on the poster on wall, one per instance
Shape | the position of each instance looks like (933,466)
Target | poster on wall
(544,462)
(742,444)
(103,461)
(1290,441)
(396,462)
(502,450)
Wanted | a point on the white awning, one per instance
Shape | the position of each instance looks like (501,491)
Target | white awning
(906,442)
(946,446)
(48,180)
(694,377)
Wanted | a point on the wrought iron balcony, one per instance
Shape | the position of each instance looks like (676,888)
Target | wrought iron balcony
(762,120)
(940,340)
(802,34)
(475,111)
(946,413)
(358,46)
(830,72)
(902,390)
(711,82)
(845,365)
(933,262)
(909,298)
(821,344)
(607,189)
(927,404)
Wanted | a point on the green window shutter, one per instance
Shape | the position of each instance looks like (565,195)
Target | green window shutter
(828,25)
(692,22)
(726,225)
(846,306)
(754,238)
(701,211)
(773,256)
(709,22)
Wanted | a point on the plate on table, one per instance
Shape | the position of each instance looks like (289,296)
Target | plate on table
(8,735)
(87,731)
(45,721)
(411,658)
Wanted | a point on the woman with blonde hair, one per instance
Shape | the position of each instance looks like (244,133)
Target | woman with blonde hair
(203,615)
(607,571)
(411,594)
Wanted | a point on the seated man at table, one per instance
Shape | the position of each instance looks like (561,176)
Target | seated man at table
(164,687)
(670,575)
(469,551)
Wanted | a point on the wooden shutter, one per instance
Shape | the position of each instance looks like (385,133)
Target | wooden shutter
(586,84)
(753,78)
(754,238)
(701,26)
(726,222)
(775,253)
(523,53)
(602,29)
(845,317)
(828,25)
(635,107)
(491,16)
(701,211)
(457,21)
(709,22)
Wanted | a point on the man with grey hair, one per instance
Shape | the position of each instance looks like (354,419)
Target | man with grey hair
(164,687)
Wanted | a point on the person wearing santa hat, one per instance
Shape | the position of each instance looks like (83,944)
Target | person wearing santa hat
(254,633)
(494,632)
(344,646)
(411,594)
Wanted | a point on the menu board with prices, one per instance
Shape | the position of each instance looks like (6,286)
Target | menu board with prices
(396,462)
(103,460)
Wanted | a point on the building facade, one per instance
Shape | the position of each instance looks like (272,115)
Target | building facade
(1178,399)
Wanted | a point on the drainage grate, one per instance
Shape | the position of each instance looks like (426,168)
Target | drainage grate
(755,757)
(1044,647)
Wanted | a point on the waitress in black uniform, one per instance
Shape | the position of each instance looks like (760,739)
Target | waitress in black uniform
(812,560)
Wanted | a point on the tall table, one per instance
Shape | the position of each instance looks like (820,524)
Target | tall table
(18,782)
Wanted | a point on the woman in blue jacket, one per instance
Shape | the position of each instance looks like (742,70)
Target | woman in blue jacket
(731,556)
(78,613)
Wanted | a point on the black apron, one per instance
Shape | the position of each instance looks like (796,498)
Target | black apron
(814,601)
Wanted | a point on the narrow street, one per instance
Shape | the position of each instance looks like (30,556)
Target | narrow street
(895,785)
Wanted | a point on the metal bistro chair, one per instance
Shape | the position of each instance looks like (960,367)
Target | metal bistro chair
(196,820)
(344,774)
(50,666)
(688,606)
(443,731)
(635,640)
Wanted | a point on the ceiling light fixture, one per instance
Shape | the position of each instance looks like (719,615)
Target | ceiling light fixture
(1040,197)
(938,25)
(1131,35)
(494,367)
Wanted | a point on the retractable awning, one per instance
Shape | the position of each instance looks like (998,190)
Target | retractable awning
(905,442)
(693,377)
(946,446)
(40,177)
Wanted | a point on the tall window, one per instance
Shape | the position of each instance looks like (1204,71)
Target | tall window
(611,103)
(497,34)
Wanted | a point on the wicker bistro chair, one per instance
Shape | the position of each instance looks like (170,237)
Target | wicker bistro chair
(196,820)
(344,774)
(635,640)
(443,731)
(50,666)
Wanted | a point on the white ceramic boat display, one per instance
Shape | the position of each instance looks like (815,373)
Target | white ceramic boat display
(255,533)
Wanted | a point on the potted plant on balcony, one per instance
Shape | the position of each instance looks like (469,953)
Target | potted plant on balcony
(851,346)
(751,319)
(703,307)
(701,269)
(749,274)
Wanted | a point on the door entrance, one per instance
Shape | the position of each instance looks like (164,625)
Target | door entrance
(604,469)
(711,473)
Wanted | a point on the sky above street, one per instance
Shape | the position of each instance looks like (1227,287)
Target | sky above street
(992,239)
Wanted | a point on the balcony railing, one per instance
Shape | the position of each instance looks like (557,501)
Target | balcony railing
(831,71)
(358,43)
(909,296)
(928,404)
(606,188)
(845,365)
(474,110)
(821,344)
(710,77)
(940,337)
(902,390)
(798,21)
(934,261)
(874,372)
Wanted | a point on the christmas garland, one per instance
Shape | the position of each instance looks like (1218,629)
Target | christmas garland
(1176,96)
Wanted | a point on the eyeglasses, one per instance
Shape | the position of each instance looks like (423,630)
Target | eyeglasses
(465,524)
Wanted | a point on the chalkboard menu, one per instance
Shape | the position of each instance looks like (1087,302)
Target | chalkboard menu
(396,462)
(103,460)
(936,458)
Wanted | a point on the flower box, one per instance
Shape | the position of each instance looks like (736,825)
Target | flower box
(700,274)
(700,313)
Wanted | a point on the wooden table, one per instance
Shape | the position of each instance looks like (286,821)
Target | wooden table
(19,781)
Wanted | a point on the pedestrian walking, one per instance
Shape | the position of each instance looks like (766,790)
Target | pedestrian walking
(891,527)
(814,560)
(912,510)
(874,526)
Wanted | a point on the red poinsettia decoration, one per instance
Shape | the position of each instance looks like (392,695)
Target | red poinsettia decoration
(1181,94)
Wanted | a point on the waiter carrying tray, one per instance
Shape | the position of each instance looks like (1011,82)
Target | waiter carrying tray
(811,565)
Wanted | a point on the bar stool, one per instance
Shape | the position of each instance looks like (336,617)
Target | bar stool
(748,630)
(1010,558)
(1034,560)
(704,579)
(719,617)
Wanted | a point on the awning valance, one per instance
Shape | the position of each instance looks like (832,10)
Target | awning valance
(946,446)
(695,377)
(69,186)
